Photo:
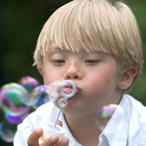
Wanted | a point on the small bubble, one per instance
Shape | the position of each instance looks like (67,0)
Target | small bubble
(107,115)
(28,82)
(53,91)
(7,131)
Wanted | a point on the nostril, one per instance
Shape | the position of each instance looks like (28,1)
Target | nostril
(75,77)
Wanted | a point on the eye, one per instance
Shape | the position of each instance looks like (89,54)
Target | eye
(91,61)
(59,61)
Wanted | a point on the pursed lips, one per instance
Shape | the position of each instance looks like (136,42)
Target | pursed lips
(68,89)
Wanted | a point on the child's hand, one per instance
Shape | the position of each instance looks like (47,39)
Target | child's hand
(51,141)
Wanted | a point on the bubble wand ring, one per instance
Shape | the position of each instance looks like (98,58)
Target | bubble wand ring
(63,102)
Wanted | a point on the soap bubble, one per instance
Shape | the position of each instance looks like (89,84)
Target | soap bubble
(16,119)
(35,95)
(40,102)
(28,82)
(7,131)
(10,95)
(40,93)
(57,89)
(108,117)
(43,97)
(53,91)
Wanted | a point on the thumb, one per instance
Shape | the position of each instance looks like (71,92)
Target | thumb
(33,138)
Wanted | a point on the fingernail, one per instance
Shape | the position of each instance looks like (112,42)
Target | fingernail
(54,138)
(39,130)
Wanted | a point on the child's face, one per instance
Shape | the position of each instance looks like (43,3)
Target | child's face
(94,74)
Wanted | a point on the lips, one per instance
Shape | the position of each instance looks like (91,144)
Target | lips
(69,89)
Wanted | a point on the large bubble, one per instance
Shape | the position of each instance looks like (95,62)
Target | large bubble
(16,119)
(10,95)
(37,94)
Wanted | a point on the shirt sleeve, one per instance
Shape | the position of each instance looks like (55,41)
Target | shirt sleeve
(25,129)
(32,122)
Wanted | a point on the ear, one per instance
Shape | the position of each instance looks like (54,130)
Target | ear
(127,78)
(40,69)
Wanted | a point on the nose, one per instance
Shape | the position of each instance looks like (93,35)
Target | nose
(73,71)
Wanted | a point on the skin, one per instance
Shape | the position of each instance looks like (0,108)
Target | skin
(98,84)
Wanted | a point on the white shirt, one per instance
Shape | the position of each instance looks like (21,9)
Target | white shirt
(132,131)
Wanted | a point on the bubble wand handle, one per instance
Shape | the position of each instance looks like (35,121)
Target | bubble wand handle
(63,102)
(58,116)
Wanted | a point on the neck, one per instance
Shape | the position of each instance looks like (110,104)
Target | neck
(84,127)
(84,130)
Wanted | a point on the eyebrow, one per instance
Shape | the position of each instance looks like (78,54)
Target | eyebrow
(55,48)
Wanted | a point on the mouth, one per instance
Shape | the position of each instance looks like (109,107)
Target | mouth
(67,89)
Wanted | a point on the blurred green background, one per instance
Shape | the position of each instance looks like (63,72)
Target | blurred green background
(20,25)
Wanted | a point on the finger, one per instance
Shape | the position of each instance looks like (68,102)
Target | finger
(59,123)
(33,138)
(51,141)
(63,142)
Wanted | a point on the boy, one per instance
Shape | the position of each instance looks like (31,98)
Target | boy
(97,46)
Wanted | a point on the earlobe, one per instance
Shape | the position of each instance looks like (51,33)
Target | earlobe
(40,70)
(127,78)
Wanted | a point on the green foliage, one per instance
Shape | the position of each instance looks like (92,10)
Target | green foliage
(139,9)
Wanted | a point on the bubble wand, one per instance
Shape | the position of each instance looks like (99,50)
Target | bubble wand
(63,102)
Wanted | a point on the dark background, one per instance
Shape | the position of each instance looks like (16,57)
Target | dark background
(20,25)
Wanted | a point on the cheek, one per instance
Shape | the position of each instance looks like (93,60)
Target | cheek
(50,76)
(103,81)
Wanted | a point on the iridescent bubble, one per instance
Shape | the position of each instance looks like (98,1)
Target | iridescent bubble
(41,95)
(16,119)
(7,131)
(42,98)
(53,90)
(37,94)
(107,113)
(28,82)
(40,102)
(10,95)
(57,89)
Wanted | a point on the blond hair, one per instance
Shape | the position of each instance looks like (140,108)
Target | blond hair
(99,26)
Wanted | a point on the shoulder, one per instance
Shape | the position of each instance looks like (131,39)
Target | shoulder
(137,121)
